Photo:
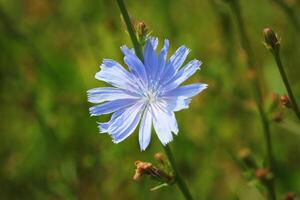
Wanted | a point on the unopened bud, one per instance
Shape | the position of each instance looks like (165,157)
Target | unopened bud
(246,156)
(142,32)
(285,101)
(146,168)
(264,175)
(271,40)
(141,27)
(290,196)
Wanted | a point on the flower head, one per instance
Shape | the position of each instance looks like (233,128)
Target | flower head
(149,92)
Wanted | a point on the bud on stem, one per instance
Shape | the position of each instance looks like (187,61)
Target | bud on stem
(285,101)
(146,168)
(264,175)
(271,40)
(142,33)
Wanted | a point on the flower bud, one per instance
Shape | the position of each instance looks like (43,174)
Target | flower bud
(142,32)
(264,175)
(146,168)
(141,27)
(285,101)
(290,196)
(271,40)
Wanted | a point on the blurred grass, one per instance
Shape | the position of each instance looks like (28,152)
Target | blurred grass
(50,147)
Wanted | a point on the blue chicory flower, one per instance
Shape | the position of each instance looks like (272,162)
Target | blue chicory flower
(149,92)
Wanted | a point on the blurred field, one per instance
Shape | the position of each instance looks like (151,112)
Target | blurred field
(50,147)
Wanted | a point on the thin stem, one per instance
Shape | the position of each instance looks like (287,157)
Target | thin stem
(256,90)
(287,84)
(180,182)
(137,47)
(131,32)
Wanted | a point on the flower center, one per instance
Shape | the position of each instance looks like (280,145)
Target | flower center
(150,96)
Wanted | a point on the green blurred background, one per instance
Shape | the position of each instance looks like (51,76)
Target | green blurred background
(49,145)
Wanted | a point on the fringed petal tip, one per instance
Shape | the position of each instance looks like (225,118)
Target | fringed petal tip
(167,142)
(103,127)
(198,63)
(204,86)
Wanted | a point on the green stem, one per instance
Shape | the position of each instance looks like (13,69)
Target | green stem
(256,91)
(179,180)
(137,47)
(287,84)
(130,29)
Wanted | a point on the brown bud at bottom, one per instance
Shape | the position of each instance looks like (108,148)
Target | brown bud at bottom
(285,101)
(146,168)
(290,196)
(141,169)
(264,175)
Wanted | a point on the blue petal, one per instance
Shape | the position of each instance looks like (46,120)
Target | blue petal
(126,123)
(114,74)
(99,95)
(134,64)
(111,106)
(186,91)
(154,42)
(103,127)
(173,122)
(150,59)
(175,103)
(157,71)
(179,57)
(183,74)
(145,130)
(161,124)
(173,65)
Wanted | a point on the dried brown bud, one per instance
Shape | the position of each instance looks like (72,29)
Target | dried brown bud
(246,156)
(271,40)
(290,196)
(146,168)
(264,175)
(141,169)
(285,101)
